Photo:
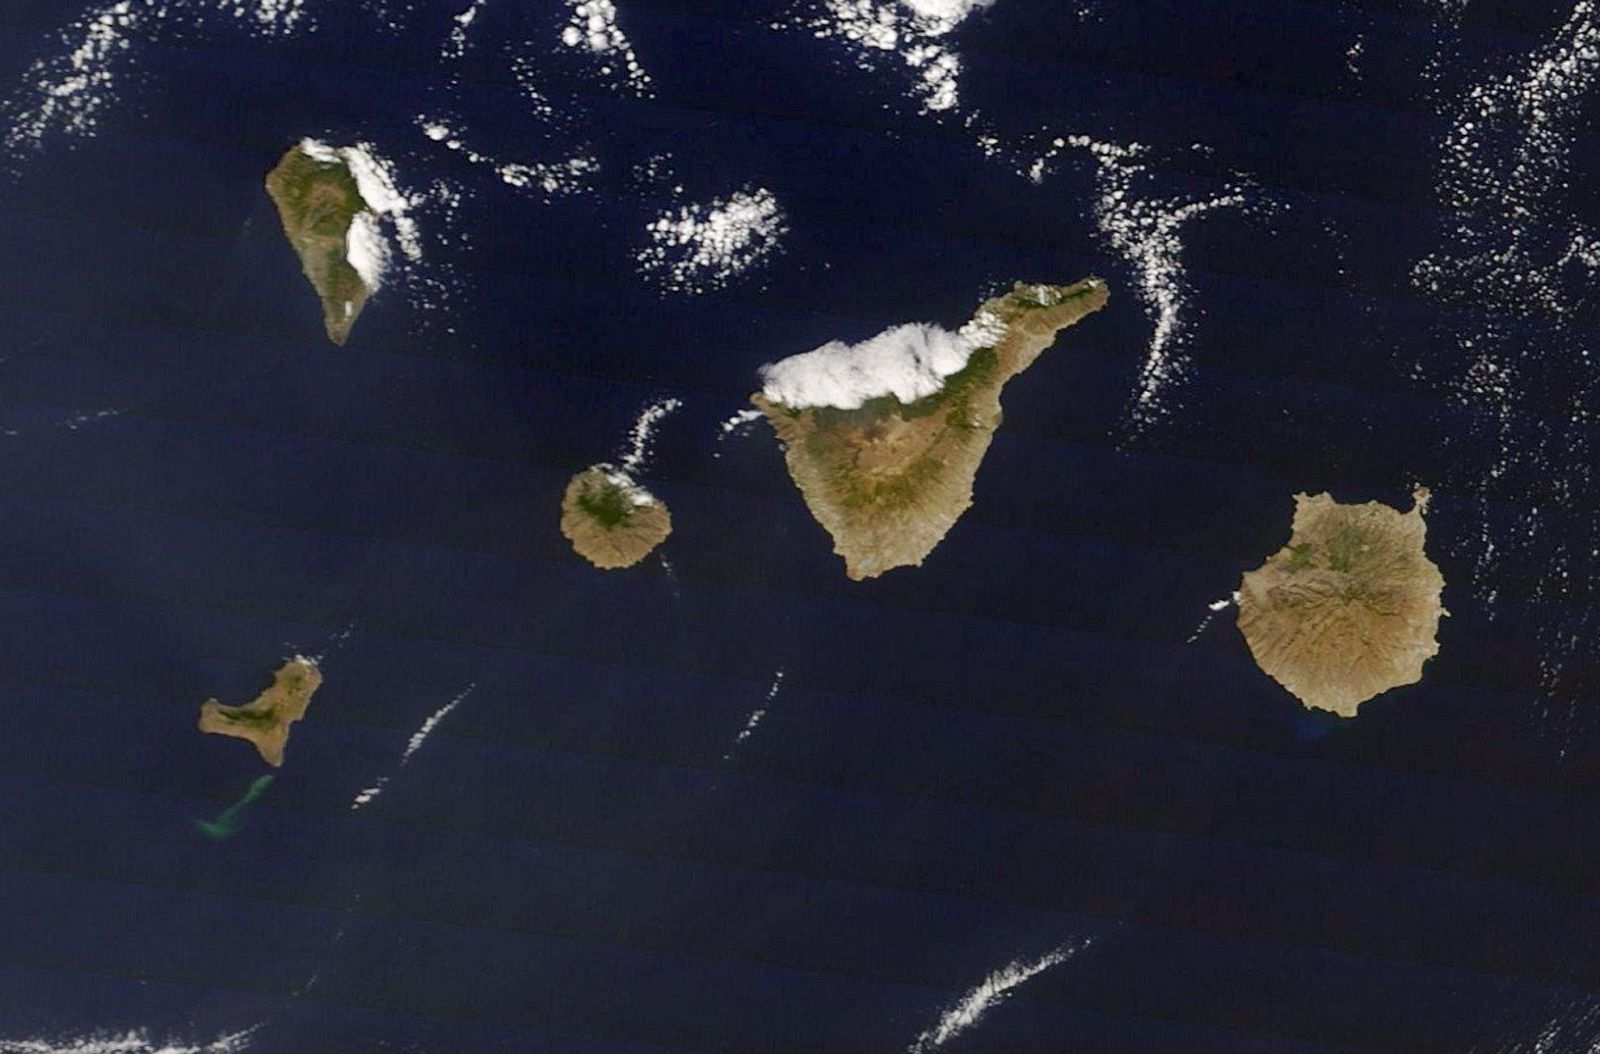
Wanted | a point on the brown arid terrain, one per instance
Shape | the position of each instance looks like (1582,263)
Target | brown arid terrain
(1349,608)
(610,520)
(317,201)
(889,479)
(265,720)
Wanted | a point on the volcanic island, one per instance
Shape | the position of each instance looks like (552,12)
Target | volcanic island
(265,720)
(884,438)
(332,228)
(1350,607)
(611,520)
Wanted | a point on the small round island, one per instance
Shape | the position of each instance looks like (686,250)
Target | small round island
(610,520)
(1349,608)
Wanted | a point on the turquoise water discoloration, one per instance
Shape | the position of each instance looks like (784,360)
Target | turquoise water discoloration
(227,823)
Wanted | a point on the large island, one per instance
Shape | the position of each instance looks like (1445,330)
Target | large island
(884,438)
(611,520)
(1349,608)
(265,720)
(332,228)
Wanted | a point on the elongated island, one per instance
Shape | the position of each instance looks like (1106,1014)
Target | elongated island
(332,228)
(610,519)
(265,720)
(884,438)
(1350,607)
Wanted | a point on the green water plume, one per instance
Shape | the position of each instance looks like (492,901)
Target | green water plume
(227,824)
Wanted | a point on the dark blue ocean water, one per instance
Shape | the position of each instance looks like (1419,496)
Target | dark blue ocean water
(1010,749)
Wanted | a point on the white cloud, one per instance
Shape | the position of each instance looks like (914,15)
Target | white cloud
(974,1004)
(1520,252)
(366,250)
(737,421)
(593,28)
(753,720)
(266,17)
(574,175)
(908,29)
(69,93)
(643,431)
(413,745)
(697,248)
(366,243)
(130,1042)
(949,12)
(909,362)
(1147,231)
(455,45)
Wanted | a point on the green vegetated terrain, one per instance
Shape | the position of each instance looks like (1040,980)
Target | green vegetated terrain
(888,478)
(317,201)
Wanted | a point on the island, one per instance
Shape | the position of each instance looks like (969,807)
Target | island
(1349,608)
(611,520)
(331,227)
(884,438)
(265,720)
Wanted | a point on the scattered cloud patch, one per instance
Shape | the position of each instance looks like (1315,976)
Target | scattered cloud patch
(1213,609)
(1353,54)
(130,1042)
(753,721)
(738,421)
(335,641)
(911,31)
(455,44)
(528,78)
(266,17)
(698,248)
(643,432)
(1146,230)
(1565,1023)
(735,425)
(1518,252)
(1505,167)
(69,94)
(391,14)
(75,422)
(970,1008)
(413,745)
(574,175)
(592,27)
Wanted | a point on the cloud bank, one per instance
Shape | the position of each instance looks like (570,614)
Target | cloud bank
(909,362)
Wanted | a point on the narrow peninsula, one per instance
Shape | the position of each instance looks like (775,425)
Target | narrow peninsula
(1349,608)
(332,228)
(884,438)
(265,720)
(610,520)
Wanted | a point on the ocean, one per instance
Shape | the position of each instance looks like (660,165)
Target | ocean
(1023,798)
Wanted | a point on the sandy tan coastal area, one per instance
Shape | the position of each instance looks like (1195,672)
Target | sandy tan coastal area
(1349,608)
(889,474)
(610,520)
(265,720)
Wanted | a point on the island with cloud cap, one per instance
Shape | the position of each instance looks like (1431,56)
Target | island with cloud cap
(331,201)
(884,438)
(611,520)
(1349,608)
